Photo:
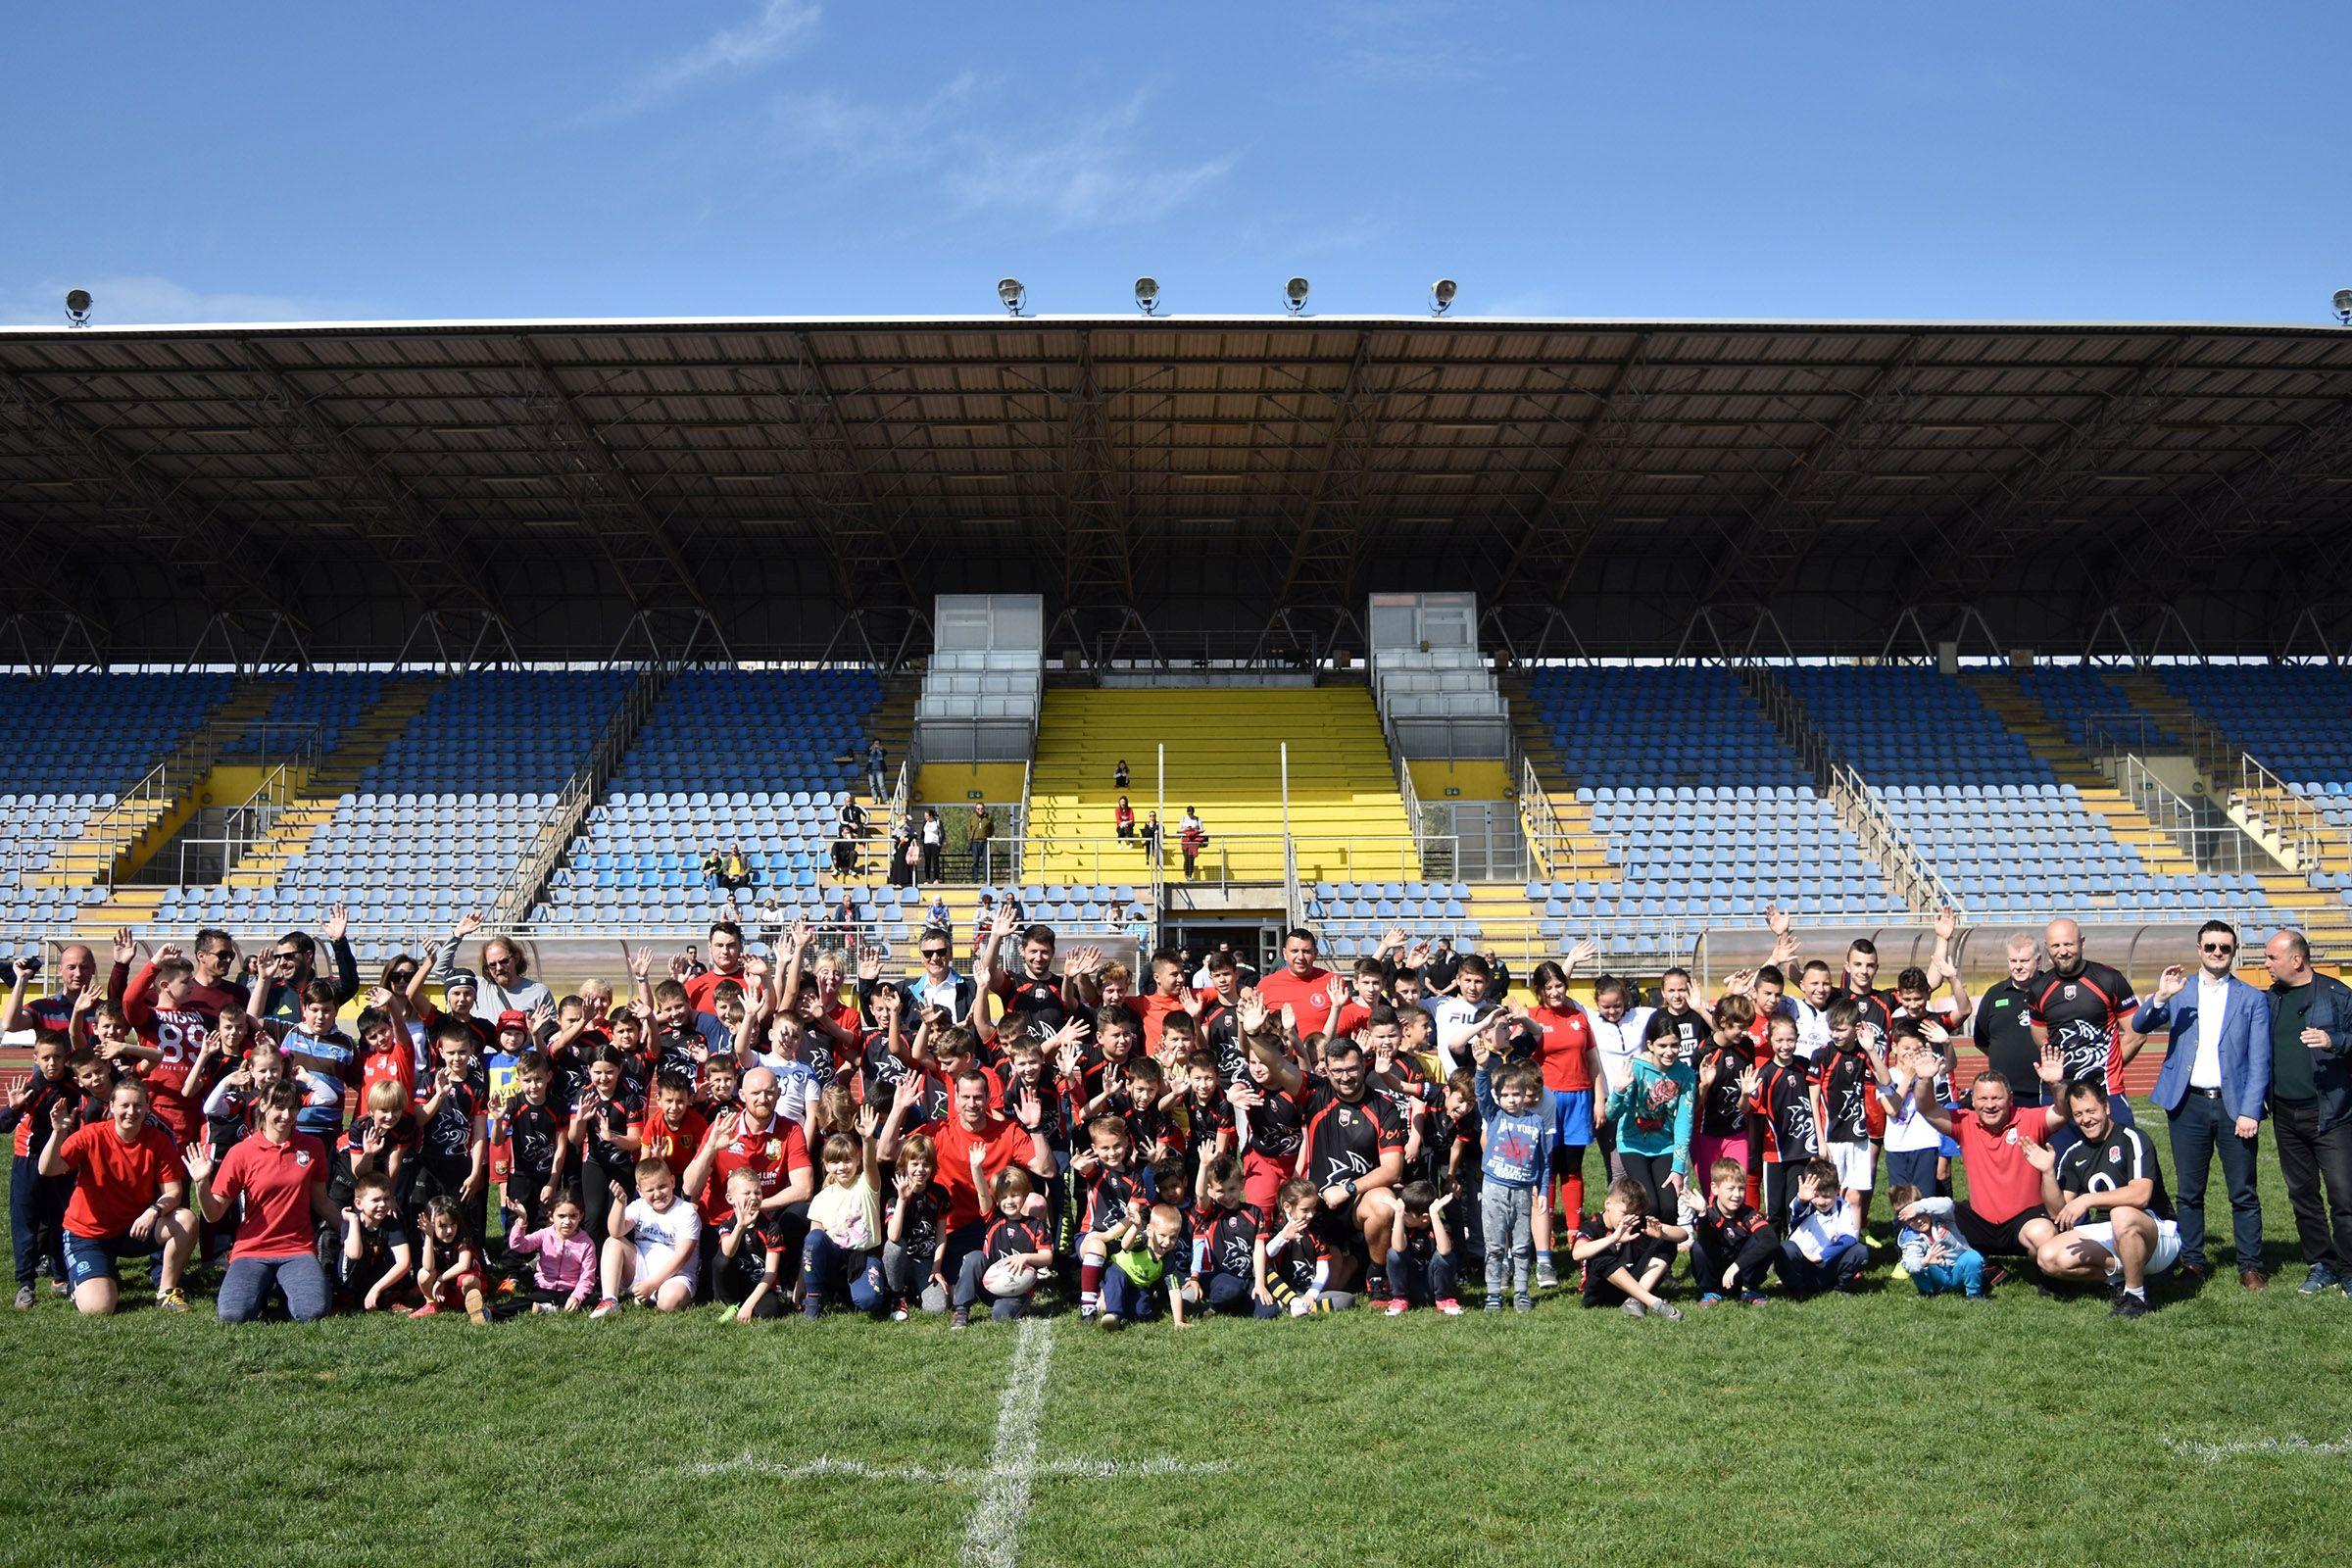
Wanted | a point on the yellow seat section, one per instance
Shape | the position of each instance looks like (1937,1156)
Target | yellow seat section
(1224,760)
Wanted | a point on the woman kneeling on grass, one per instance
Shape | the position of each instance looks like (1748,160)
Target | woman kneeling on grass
(283,1176)
(128,1186)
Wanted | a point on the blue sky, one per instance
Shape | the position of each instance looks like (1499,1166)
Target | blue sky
(781,157)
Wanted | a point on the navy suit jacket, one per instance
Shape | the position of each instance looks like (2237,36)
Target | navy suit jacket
(2245,1047)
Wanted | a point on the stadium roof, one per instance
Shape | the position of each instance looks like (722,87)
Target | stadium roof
(563,476)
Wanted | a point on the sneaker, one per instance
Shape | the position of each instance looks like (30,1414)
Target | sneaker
(1523,1304)
(41,1268)
(961,1319)
(173,1300)
(1449,1306)
(2128,1305)
(1754,1299)
(1996,1276)
(476,1309)
(428,1309)
(1397,1307)
(605,1307)
(23,1298)
(1494,1303)
(726,1314)
(1667,1310)
(60,1288)
(1111,1322)
(1900,1272)
(2318,1282)
(1547,1277)
(549,1307)
(897,1314)
(1633,1309)
(1711,1298)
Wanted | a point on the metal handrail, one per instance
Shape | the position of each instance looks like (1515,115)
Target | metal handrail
(580,795)
(1548,843)
(2306,833)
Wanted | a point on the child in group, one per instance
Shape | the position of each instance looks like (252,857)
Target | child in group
(1914,1147)
(449,1274)
(1936,1255)
(1421,1266)
(650,1250)
(751,1255)
(603,1129)
(323,1057)
(563,1257)
(1010,1258)
(385,1051)
(1733,1246)
(94,1075)
(452,1144)
(537,1138)
(1779,1096)
(1114,1192)
(1847,1106)
(382,1142)
(674,1129)
(1151,1254)
(1626,1250)
(1720,1125)
(914,1243)
(1292,1264)
(375,1260)
(1516,1129)
(1270,1123)
(1652,1112)
(1824,1250)
(36,1203)
(1228,1229)
(843,1253)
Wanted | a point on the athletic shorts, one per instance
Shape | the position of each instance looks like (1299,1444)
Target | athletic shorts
(93,1257)
(1571,1117)
(1997,1238)
(1341,1231)
(1857,1165)
(2168,1242)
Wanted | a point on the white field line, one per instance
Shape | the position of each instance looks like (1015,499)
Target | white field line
(992,1539)
(2251,1447)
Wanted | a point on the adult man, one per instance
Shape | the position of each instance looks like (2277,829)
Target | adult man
(2085,1009)
(128,1187)
(979,832)
(1354,1146)
(77,966)
(2110,1169)
(281,1176)
(2004,1215)
(2003,1024)
(2214,1089)
(939,984)
(877,773)
(769,1146)
(1043,1004)
(726,964)
(1302,985)
(974,1145)
(504,982)
(292,964)
(2311,1107)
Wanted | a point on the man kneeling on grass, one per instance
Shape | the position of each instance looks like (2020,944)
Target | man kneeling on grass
(2111,1171)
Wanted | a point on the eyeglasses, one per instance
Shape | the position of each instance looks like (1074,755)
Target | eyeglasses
(935,953)
(2220,947)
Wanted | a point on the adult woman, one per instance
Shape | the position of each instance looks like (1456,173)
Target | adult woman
(935,843)
(281,1175)
(128,1187)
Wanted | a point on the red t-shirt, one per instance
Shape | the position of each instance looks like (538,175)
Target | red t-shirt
(699,989)
(1154,1010)
(175,1034)
(775,1154)
(397,1062)
(276,1182)
(678,1148)
(1309,1000)
(1563,1049)
(2001,1182)
(114,1180)
(1003,1144)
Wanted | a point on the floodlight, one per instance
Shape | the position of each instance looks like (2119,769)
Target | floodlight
(1147,294)
(1441,295)
(2344,305)
(1009,290)
(78,307)
(1293,295)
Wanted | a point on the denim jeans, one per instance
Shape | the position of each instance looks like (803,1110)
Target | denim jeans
(1963,1273)
(300,1279)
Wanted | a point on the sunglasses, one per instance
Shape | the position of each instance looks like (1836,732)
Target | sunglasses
(935,953)
(2220,947)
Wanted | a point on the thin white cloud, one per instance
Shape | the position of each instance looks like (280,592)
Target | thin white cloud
(1094,170)
(780,27)
(144,301)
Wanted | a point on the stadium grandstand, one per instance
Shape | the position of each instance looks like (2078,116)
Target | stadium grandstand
(1176,631)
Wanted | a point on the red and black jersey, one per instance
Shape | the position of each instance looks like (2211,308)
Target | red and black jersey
(1783,1107)
(1221,1033)
(32,1119)
(1008,1237)
(1877,1010)
(531,1132)
(926,1215)
(673,1051)
(879,1072)
(1410,1092)
(1850,1096)
(1722,1107)
(1276,1125)
(1209,1123)
(2085,1013)
(1109,1191)
(1152,1128)
(1292,1264)
(448,1133)
(608,1119)
(1233,1235)
(1346,1140)
(1728,1235)
(1034,1006)
(937,1099)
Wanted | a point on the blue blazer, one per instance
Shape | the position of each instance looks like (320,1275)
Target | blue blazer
(2245,1047)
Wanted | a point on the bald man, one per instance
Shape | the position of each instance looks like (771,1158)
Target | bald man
(2086,1008)
(76,968)
(2311,1108)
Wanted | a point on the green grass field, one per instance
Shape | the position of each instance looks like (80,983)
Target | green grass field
(1878,1427)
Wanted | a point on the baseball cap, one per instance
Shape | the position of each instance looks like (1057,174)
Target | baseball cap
(513,1018)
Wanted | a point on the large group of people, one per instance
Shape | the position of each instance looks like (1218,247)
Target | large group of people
(797,1132)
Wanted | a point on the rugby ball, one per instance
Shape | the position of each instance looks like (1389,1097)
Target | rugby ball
(1005,1277)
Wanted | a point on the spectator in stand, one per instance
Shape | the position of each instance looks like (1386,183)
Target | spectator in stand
(1193,840)
(1118,775)
(2311,1107)
(771,917)
(935,844)
(979,833)
(846,834)
(2214,1091)
(734,870)
(877,772)
(77,967)
(505,982)
(906,854)
(1149,836)
(130,1192)
(1122,819)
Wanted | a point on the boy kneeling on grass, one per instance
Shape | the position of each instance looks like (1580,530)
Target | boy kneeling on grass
(1626,1252)
(1142,1259)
